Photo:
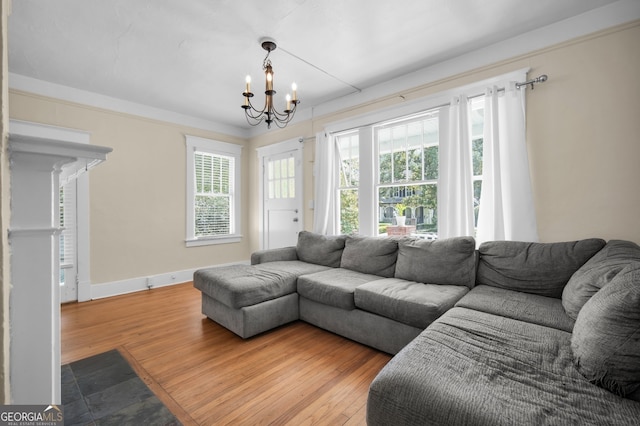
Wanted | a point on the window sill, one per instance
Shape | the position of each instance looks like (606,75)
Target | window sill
(207,241)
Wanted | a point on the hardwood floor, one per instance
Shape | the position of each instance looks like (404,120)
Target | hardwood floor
(296,374)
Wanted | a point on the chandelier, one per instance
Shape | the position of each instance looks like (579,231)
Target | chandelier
(269,114)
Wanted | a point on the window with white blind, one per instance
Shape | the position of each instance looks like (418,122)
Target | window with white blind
(67,223)
(213,201)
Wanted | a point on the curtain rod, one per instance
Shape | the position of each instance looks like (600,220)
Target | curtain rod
(540,79)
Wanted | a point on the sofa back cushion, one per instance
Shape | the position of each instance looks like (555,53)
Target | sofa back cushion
(606,335)
(370,255)
(447,261)
(537,268)
(320,249)
(596,273)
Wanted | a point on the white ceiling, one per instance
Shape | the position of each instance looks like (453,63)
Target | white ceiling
(191,57)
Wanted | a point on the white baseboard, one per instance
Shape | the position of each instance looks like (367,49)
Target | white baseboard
(131,285)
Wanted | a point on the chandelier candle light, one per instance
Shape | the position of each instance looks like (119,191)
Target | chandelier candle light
(269,114)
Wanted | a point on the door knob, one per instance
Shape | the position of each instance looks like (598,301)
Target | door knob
(295,219)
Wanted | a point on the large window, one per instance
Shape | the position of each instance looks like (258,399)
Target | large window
(405,172)
(213,180)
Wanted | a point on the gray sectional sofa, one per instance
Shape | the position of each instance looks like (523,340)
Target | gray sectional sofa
(511,333)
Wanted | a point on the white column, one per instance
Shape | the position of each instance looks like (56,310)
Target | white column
(34,302)
(35,293)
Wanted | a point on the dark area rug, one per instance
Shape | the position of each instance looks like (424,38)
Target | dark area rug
(105,390)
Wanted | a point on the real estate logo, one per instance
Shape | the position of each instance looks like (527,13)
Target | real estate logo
(31,415)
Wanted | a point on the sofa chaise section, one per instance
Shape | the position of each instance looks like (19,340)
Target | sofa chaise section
(251,299)
(508,353)
(474,368)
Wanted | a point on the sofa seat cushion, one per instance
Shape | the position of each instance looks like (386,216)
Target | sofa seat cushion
(333,287)
(474,368)
(606,337)
(408,302)
(537,268)
(596,273)
(370,255)
(238,286)
(447,261)
(541,310)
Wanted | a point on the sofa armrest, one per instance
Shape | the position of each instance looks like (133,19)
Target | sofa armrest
(274,255)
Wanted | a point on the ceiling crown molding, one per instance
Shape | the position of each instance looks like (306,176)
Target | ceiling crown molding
(83,97)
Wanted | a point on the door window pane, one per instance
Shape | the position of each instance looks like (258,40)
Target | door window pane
(281,178)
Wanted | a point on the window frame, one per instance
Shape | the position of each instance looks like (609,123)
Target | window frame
(364,124)
(209,146)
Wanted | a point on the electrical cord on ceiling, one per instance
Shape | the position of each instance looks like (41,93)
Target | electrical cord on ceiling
(320,69)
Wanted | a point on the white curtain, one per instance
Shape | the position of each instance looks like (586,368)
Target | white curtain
(455,187)
(324,185)
(506,204)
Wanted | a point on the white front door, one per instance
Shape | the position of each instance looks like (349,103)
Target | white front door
(282,198)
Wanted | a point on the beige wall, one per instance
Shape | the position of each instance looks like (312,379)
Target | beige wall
(583,134)
(137,197)
(584,138)
(582,131)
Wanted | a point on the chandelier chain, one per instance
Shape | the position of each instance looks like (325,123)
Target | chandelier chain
(267,62)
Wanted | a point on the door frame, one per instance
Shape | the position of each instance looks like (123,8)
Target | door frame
(295,144)
(28,128)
